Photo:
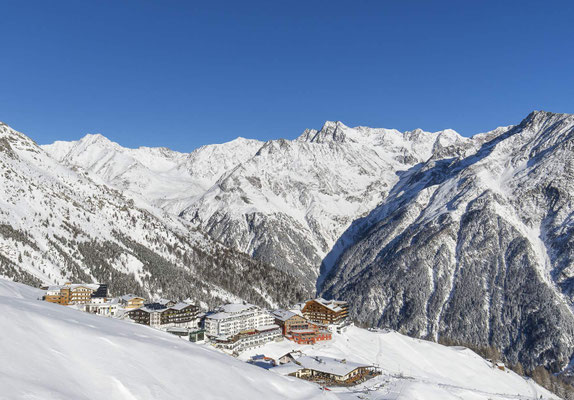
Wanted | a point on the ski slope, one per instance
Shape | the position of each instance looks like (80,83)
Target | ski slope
(51,352)
(414,369)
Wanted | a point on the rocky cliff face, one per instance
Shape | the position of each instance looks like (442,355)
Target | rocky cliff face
(476,248)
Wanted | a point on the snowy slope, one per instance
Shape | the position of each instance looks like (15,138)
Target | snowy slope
(283,202)
(58,353)
(476,248)
(59,224)
(416,368)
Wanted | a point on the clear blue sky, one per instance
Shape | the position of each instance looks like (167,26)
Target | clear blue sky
(183,73)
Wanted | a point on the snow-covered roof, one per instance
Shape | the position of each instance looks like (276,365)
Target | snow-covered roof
(333,305)
(149,309)
(302,330)
(329,365)
(178,329)
(287,368)
(234,308)
(283,315)
(267,327)
(164,301)
(93,286)
(230,310)
(180,306)
(128,297)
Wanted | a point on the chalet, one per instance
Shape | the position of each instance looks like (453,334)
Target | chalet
(232,319)
(131,301)
(323,311)
(288,320)
(288,357)
(328,370)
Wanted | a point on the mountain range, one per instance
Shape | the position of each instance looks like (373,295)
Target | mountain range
(435,234)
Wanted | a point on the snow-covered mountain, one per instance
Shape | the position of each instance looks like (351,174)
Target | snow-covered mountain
(476,248)
(451,238)
(283,202)
(56,352)
(58,224)
(165,178)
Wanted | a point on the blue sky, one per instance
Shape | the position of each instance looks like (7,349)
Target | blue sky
(182,74)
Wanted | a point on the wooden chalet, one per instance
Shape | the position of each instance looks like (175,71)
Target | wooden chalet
(323,311)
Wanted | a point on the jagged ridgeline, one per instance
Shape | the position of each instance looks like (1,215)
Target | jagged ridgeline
(475,249)
(461,240)
(58,224)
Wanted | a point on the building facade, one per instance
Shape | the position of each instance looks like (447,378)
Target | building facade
(74,293)
(180,315)
(249,339)
(232,319)
(326,312)
(131,301)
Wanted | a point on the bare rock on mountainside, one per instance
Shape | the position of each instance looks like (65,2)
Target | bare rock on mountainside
(477,249)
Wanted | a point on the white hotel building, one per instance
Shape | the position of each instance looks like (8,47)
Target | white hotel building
(231,319)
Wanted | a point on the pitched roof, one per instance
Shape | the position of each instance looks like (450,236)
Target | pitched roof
(128,297)
(283,315)
(180,306)
(333,305)
(231,310)
(329,365)
(287,368)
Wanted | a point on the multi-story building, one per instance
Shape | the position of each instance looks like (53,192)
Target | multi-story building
(74,293)
(288,320)
(323,311)
(311,335)
(232,319)
(183,315)
(131,301)
(249,339)
(300,330)
(109,308)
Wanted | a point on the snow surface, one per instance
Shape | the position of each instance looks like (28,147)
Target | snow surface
(54,352)
(413,368)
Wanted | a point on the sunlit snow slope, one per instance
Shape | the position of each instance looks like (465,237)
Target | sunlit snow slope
(50,352)
(415,369)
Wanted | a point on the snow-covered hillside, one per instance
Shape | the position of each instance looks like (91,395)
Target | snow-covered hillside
(51,352)
(414,368)
(56,352)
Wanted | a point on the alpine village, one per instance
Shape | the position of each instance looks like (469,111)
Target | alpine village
(234,328)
